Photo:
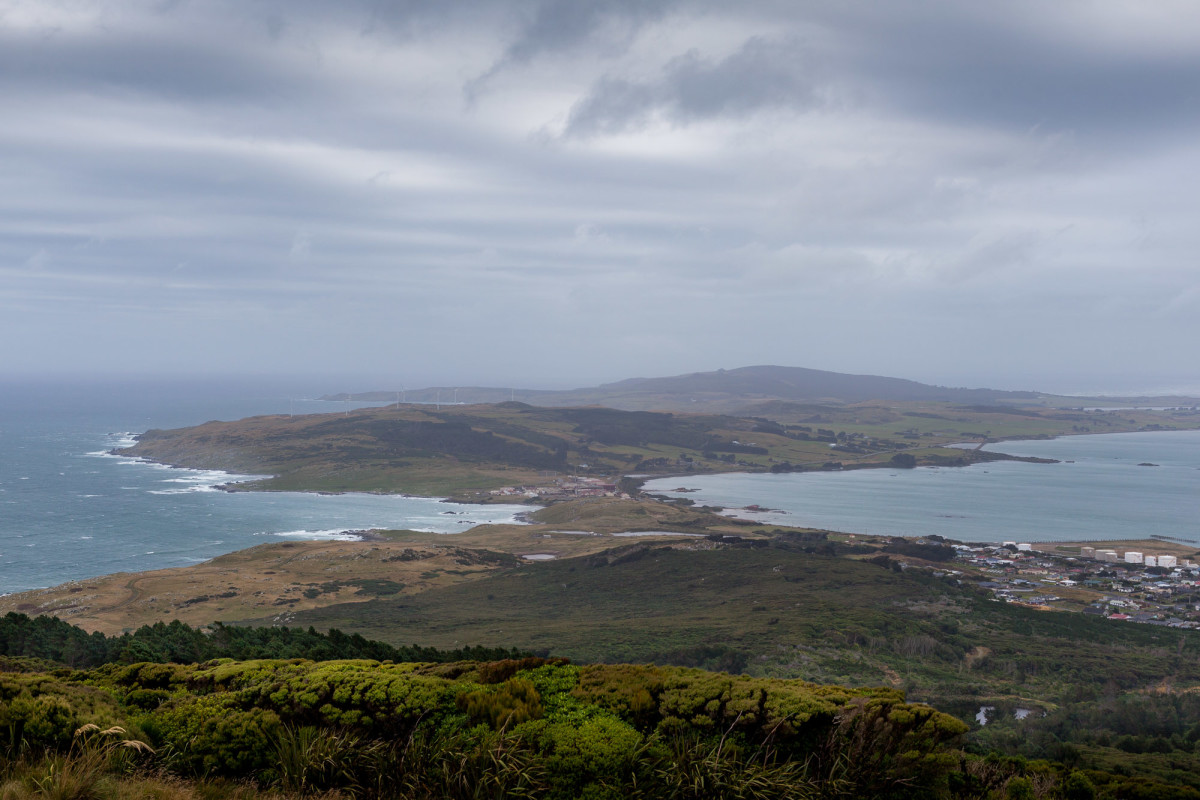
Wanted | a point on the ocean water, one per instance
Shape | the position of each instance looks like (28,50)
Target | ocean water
(1097,491)
(68,510)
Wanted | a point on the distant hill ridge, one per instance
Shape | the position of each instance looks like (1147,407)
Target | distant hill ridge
(807,385)
(721,391)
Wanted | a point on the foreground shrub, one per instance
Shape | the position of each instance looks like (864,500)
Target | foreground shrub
(309,760)
(688,767)
(86,772)
(516,701)
(211,735)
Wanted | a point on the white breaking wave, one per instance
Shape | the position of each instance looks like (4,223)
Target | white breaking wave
(208,476)
(116,441)
(330,535)
(199,480)
(202,480)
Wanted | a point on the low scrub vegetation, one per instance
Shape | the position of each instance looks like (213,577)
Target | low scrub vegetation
(516,728)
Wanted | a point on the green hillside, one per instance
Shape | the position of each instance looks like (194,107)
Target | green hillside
(786,609)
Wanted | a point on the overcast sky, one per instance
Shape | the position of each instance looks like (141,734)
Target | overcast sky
(562,192)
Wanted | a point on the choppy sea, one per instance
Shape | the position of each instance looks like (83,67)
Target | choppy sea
(69,510)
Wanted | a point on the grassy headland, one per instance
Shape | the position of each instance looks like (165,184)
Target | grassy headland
(467,451)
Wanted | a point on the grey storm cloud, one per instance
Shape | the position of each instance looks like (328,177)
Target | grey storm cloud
(761,74)
(493,187)
(997,65)
(554,25)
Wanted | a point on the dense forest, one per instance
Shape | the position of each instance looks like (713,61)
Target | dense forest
(50,639)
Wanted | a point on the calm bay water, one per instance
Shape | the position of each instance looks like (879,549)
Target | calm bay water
(1103,494)
(68,510)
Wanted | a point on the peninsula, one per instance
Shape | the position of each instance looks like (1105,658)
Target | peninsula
(470,451)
